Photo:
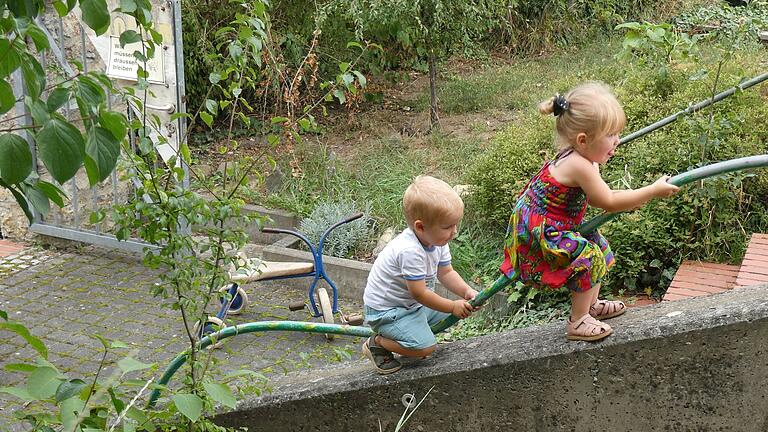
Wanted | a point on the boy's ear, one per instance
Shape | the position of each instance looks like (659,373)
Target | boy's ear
(418,225)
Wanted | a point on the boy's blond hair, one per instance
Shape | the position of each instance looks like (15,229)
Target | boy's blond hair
(430,200)
(592,109)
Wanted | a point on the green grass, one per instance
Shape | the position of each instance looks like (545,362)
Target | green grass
(377,172)
(525,82)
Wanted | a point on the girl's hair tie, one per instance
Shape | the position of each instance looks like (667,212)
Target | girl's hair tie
(559,104)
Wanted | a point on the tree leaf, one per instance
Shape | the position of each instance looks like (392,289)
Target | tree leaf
(186,155)
(21,200)
(43,382)
(38,37)
(101,152)
(207,118)
(15,158)
(34,76)
(339,93)
(188,404)
(114,122)
(11,58)
(25,8)
(7,100)
(129,37)
(37,198)
(53,192)
(68,389)
(60,7)
(211,106)
(127,6)
(116,344)
(90,91)
(95,14)
(71,410)
(360,78)
(61,148)
(20,367)
(19,392)
(129,365)
(22,331)
(220,393)
(39,110)
(57,98)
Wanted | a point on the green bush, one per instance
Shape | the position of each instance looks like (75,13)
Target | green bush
(709,220)
(515,26)
(200,20)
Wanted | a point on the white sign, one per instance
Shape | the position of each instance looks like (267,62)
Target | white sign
(123,65)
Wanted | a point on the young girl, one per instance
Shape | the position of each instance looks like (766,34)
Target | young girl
(542,247)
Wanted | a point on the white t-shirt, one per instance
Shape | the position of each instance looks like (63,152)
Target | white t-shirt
(404,258)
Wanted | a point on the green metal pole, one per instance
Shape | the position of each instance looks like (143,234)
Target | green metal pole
(688,177)
(481,297)
(693,108)
(261,326)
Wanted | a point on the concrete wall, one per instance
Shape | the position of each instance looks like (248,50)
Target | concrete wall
(691,365)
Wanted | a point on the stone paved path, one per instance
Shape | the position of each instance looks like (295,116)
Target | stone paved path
(65,296)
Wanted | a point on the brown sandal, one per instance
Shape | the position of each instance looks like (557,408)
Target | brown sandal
(604,309)
(587,328)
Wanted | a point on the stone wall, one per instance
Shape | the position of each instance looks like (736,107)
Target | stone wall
(694,365)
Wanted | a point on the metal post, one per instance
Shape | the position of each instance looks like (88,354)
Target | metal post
(24,121)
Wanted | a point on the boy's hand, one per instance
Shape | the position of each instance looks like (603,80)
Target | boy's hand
(461,309)
(663,189)
(470,295)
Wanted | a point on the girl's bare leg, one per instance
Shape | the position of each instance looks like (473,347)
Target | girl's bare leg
(582,301)
(596,294)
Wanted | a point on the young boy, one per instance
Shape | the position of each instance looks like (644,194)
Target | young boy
(400,302)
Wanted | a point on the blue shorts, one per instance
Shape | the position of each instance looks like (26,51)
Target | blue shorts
(408,327)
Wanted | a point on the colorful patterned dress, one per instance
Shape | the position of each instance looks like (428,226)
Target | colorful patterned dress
(541,246)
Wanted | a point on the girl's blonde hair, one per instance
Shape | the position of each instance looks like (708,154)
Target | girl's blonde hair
(431,200)
(592,108)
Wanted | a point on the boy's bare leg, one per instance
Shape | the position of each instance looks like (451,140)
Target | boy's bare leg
(395,347)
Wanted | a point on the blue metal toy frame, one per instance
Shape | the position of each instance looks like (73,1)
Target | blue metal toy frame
(317,273)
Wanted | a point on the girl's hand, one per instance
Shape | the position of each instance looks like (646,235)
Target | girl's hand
(662,188)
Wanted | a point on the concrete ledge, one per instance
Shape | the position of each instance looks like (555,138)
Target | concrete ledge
(280,219)
(696,364)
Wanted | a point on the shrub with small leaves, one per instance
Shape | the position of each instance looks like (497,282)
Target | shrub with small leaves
(347,240)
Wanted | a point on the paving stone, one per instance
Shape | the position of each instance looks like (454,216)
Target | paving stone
(65,297)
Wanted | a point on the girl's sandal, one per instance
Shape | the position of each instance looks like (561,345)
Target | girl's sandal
(604,309)
(587,328)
